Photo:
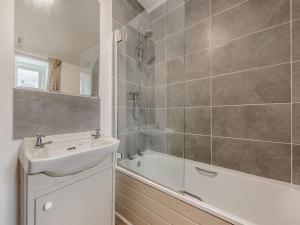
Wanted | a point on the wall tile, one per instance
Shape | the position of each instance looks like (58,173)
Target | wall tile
(157,119)
(156,52)
(197,120)
(296,164)
(197,65)
(157,141)
(175,46)
(158,29)
(175,20)
(197,37)
(175,70)
(47,113)
(142,141)
(296,81)
(175,95)
(296,123)
(126,68)
(296,9)
(157,97)
(270,160)
(296,40)
(175,119)
(126,122)
(218,6)
(172,4)
(175,144)
(252,16)
(157,75)
(197,148)
(265,48)
(198,93)
(196,10)
(157,13)
(258,122)
(127,144)
(266,85)
(123,11)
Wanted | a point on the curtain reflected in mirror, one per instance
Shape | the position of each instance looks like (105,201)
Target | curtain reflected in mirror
(57,46)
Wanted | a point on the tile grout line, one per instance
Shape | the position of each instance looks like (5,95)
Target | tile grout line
(211,88)
(165,64)
(291,59)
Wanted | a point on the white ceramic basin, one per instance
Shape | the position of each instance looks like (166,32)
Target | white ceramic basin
(68,154)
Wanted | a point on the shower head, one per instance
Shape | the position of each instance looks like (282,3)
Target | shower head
(148,34)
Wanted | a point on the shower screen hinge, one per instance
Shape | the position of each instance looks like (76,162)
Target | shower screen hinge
(118,36)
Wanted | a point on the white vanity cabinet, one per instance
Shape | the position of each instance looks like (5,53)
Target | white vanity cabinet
(85,198)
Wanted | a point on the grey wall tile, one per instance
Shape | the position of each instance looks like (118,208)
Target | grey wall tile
(126,122)
(157,119)
(123,11)
(265,48)
(198,120)
(252,16)
(218,6)
(196,10)
(197,148)
(266,85)
(197,92)
(157,75)
(157,13)
(296,81)
(172,4)
(158,29)
(296,9)
(175,20)
(175,46)
(296,123)
(197,37)
(157,97)
(142,141)
(197,65)
(156,52)
(49,113)
(270,160)
(175,119)
(258,122)
(296,40)
(175,95)
(126,68)
(123,92)
(175,70)
(157,141)
(296,164)
(175,144)
(127,144)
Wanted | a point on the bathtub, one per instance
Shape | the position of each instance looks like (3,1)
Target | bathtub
(235,197)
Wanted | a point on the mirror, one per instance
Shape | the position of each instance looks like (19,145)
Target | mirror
(57,46)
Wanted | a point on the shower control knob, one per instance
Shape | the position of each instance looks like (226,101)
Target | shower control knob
(48,206)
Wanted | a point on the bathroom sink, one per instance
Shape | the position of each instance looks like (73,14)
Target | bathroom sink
(67,154)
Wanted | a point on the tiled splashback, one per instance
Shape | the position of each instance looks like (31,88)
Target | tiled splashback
(49,113)
(224,86)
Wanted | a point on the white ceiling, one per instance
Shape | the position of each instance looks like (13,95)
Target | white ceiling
(63,30)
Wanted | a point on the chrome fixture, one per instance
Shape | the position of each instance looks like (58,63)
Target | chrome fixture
(206,172)
(96,135)
(140,153)
(39,143)
(131,156)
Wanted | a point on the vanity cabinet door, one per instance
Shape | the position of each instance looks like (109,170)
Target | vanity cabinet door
(87,202)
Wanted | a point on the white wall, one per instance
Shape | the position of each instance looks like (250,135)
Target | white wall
(70,79)
(8,148)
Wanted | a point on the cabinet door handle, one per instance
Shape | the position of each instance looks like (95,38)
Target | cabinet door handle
(48,206)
